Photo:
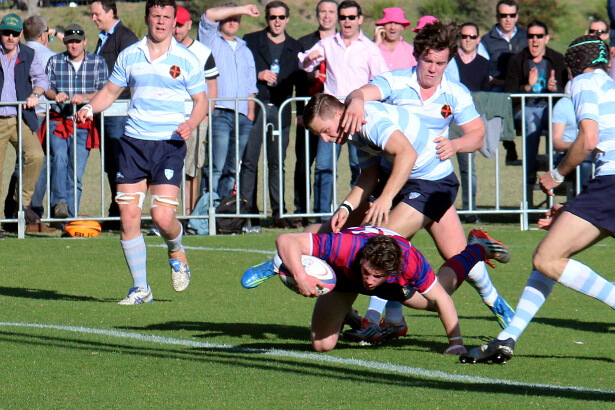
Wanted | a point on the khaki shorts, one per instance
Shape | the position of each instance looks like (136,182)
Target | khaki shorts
(195,150)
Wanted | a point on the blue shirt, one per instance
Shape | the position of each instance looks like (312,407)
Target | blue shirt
(158,88)
(42,54)
(105,36)
(236,66)
(593,94)
(563,113)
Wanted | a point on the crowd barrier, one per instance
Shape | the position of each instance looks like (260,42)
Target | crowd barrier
(493,206)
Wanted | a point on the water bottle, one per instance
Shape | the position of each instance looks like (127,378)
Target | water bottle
(275,67)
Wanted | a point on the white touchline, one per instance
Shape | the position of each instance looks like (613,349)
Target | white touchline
(319,357)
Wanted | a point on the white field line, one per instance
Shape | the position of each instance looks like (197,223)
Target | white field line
(318,357)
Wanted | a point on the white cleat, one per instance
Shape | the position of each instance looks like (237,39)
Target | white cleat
(137,296)
(180,274)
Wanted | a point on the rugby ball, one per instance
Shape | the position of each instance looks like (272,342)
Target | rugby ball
(314,267)
(83,229)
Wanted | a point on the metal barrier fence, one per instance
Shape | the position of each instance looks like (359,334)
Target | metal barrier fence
(119,109)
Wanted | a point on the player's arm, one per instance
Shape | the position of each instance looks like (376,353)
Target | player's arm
(198,114)
(586,141)
(404,156)
(354,114)
(291,247)
(360,192)
(100,101)
(448,316)
(472,138)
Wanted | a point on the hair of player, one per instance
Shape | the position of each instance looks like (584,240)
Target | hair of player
(33,27)
(348,4)
(470,25)
(322,106)
(325,1)
(586,52)
(274,5)
(511,3)
(538,23)
(160,3)
(108,5)
(383,253)
(437,36)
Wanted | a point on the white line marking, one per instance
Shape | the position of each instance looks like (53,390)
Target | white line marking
(319,357)
(204,248)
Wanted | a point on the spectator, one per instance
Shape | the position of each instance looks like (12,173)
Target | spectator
(217,30)
(326,13)
(473,72)
(195,145)
(352,60)
(610,8)
(396,52)
(113,38)
(270,45)
(505,39)
(536,69)
(37,35)
(600,29)
(22,78)
(74,77)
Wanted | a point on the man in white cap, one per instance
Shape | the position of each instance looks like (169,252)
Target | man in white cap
(396,52)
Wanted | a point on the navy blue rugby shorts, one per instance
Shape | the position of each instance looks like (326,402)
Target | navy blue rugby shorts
(595,204)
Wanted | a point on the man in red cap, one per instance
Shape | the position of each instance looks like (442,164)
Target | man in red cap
(396,52)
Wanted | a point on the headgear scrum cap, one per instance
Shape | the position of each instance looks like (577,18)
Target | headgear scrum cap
(586,52)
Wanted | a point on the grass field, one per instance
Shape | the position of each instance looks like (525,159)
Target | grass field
(65,343)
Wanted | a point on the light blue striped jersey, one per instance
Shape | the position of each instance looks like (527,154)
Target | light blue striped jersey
(382,121)
(451,100)
(593,96)
(158,88)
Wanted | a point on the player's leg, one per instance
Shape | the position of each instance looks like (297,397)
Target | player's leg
(328,317)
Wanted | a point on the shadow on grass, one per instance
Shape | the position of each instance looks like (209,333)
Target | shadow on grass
(237,358)
(593,327)
(54,295)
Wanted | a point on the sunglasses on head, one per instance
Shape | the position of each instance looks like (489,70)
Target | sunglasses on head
(7,33)
(469,36)
(509,15)
(272,17)
(72,32)
(596,32)
(342,18)
(531,36)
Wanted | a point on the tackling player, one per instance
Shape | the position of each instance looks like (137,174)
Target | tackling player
(582,222)
(159,72)
(377,261)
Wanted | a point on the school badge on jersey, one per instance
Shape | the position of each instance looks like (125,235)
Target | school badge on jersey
(175,71)
(446,111)
(169,173)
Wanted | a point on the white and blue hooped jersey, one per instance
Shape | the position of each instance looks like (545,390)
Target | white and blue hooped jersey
(451,101)
(382,121)
(158,88)
(593,96)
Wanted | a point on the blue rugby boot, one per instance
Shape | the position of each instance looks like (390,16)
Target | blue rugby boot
(502,311)
(258,274)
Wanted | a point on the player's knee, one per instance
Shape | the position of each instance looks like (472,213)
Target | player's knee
(133,198)
(165,201)
(325,344)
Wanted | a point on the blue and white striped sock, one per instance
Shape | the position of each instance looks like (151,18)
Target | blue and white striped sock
(536,291)
(375,308)
(583,279)
(175,244)
(480,280)
(136,257)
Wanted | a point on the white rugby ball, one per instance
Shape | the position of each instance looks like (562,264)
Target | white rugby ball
(314,267)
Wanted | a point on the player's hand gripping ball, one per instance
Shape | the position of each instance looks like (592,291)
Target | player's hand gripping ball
(314,267)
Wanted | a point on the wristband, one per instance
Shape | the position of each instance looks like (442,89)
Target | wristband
(557,177)
(345,206)
(450,339)
(37,95)
(90,110)
(347,203)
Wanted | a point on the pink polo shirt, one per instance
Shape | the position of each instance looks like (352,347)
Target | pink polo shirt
(348,68)
(400,57)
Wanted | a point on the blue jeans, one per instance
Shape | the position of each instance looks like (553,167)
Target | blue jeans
(62,167)
(536,120)
(323,174)
(223,142)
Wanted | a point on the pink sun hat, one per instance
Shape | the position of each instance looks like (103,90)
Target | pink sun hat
(423,21)
(393,15)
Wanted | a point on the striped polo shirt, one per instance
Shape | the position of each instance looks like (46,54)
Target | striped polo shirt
(593,96)
(382,121)
(158,88)
(451,101)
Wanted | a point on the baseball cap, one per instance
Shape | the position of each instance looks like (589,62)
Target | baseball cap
(11,22)
(74,32)
(182,16)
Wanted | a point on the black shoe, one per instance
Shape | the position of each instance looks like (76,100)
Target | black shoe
(31,216)
(2,235)
(282,223)
(496,351)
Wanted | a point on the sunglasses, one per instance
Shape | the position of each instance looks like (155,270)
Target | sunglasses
(509,15)
(469,36)
(342,18)
(596,32)
(531,36)
(8,33)
(72,32)
(272,17)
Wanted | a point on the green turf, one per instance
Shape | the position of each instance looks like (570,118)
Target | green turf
(67,282)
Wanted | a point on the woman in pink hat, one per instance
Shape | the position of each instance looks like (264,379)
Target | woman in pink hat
(396,52)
